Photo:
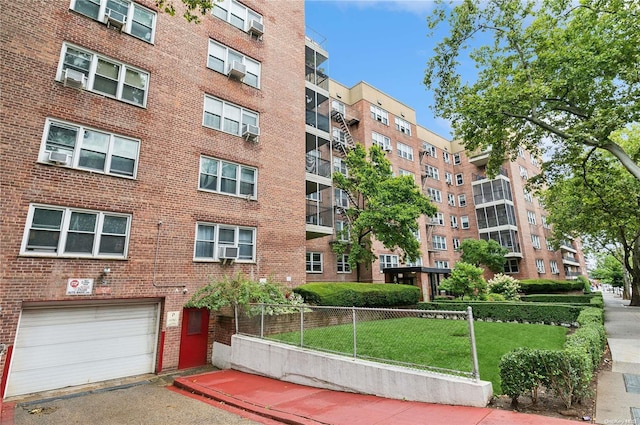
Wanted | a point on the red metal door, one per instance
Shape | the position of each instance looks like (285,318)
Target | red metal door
(195,335)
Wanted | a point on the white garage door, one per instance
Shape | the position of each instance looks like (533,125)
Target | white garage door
(67,346)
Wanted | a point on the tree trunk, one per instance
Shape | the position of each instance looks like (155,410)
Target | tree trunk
(634,277)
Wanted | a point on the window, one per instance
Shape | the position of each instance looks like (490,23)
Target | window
(314,262)
(454,221)
(429,150)
(495,216)
(432,172)
(210,237)
(416,234)
(342,198)
(439,264)
(540,266)
(531,217)
(221,58)
(464,222)
(523,172)
(343,264)
(511,266)
(434,194)
(527,196)
(446,157)
(227,117)
(405,151)
(534,161)
(438,219)
(448,178)
(402,172)
(553,265)
(68,232)
(439,242)
(459,180)
(456,243)
(521,152)
(544,222)
(403,126)
(89,149)
(342,231)
(336,105)
(549,245)
(340,166)
(451,199)
(388,261)
(535,241)
(416,263)
(221,176)
(383,141)
(456,159)
(138,21)
(462,200)
(235,13)
(379,114)
(105,76)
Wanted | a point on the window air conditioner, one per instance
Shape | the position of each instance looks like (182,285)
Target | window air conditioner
(58,157)
(256,28)
(74,79)
(228,252)
(237,70)
(250,132)
(387,149)
(115,19)
(540,270)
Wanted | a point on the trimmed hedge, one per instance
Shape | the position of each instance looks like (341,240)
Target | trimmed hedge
(549,313)
(550,286)
(559,298)
(359,294)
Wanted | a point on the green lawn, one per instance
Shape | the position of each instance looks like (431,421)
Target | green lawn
(433,342)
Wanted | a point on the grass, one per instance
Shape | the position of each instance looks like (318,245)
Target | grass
(433,342)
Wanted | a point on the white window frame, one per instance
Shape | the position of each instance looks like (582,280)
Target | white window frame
(511,266)
(379,114)
(440,264)
(464,222)
(524,173)
(456,243)
(438,219)
(457,159)
(336,105)
(549,245)
(227,56)
(343,233)
(342,264)
(540,266)
(217,243)
(403,126)
(451,199)
(527,196)
(314,262)
(545,224)
(246,116)
(388,261)
(462,200)
(404,151)
(521,152)
(402,172)
(446,157)
(454,221)
(434,194)
(448,178)
(225,9)
(553,266)
(459,179)
(91,71)
(75,152)
(535,241)
(531,217)
(240,177)
(432,172)
(430,150)
(381,140)
(130,17)
(340,166)
(64,230)
(439,242)
(341,198)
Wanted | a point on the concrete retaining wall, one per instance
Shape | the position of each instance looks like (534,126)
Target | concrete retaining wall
(322,370)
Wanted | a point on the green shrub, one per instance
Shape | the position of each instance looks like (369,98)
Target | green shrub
(504,285)
(495,297)
(558,298)
(359,294)
(586,284)
(521,372)
(550,286)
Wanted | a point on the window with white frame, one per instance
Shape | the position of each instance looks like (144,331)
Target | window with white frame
(237,14)
(439,242)
(521,152)
(405,151)
(446,157)
(511,266)
(69,232)
(454,221)
(336,105)
(434,194)
(89,149)
(314,262)
(531,217)
(429,150)
(342,263)
(416,234)
(523,172)
(438,219)
(534,161)
(416,263)
(388,261)
(227,177)
(527,196)
(339,135)
(210,237)
(379,114)
(451,199)
(342,198)
(535,241)
(431,172)
(104,75)
(340,166)
(456,159)
(402,172)
(221,59)
(403,126)
(540,266)
(439,264)
(383,141)
(456,243)
(462,200)
(342,231)
(464,222)
(549,245)
(459,180)
(138,21)
(227,117)
(553,265)
(545,224)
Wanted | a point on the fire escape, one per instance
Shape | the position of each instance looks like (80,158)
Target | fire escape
(343,142)
(424,153)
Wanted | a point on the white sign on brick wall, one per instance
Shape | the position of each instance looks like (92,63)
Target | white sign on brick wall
(76,286)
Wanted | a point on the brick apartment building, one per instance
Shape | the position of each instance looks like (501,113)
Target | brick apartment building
(142,156)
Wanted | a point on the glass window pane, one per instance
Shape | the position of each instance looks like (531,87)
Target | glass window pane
(125,148)
(245,236)
(93,160)
(43,239)
(231,126)
(95,141)
(237,21)
(245,252)
(46,219)
(123,166)
(88,7)
(227,236)
(204,249)
(82,222)
(78,60)
(135,79)
(115,225)
(206,232)
(80,243)
(220,12)
(211,120)
(61,138)
(106,79)
(249,118)
(216,64)
(110,244)
(108,69)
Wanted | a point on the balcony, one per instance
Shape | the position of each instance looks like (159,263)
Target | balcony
(480,159)
(318,166)
(319,220)
(571,261)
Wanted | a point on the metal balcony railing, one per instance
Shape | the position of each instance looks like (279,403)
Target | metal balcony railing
(319,215)
(318,166)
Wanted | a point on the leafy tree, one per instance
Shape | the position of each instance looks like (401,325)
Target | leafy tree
(465,279)
(193,8)
(558,71)
(480,252)
(609,271)
(381,206)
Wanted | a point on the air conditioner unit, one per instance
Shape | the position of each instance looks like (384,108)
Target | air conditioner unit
(449,183)
(454,226)
(228,252)
(58,157)
(387,149)
(237,70)
(540,270)
(250,132)
(73,78)
(115,19)
(256,28)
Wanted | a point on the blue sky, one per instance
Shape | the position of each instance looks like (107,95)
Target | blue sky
(384,43)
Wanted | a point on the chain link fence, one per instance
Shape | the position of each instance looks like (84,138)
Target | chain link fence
(437,341)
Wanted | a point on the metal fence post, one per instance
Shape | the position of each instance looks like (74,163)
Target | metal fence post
(301,326)
(355,344)
(262,321)
(474,352)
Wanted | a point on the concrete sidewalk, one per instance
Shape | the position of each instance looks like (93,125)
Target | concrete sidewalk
(618,398)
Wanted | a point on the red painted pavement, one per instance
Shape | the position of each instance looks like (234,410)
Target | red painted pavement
(301,405)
